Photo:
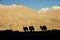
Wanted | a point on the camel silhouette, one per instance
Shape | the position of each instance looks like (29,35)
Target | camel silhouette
(43,28)
(31,28)
(25,29)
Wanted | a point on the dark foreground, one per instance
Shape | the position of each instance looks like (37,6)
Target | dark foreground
(43,35)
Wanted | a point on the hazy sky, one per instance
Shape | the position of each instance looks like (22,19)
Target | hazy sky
(34,4)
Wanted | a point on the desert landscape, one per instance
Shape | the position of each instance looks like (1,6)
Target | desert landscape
(15,17)
(29,19)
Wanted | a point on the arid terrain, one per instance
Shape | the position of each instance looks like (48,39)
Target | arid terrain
(14,17)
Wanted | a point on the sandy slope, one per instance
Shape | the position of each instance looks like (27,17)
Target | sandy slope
(52,15)
(15,17)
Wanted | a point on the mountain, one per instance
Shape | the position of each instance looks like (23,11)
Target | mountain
(52,15)
(15,17)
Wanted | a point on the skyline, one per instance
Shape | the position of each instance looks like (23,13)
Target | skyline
(34,4)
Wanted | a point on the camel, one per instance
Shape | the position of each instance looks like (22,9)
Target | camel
(31,28)
(43,28)
(25,29)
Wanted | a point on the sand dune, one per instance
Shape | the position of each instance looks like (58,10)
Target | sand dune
(15,17)
(52,15)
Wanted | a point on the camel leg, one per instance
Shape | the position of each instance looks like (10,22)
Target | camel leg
(31,30)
